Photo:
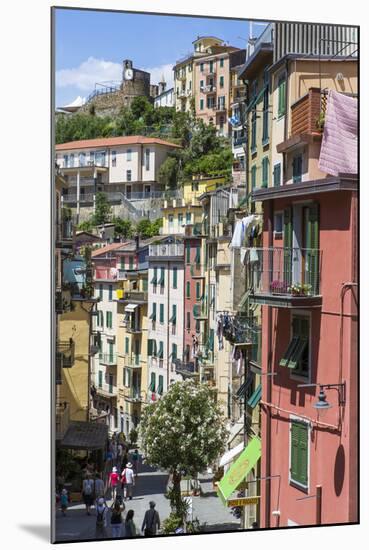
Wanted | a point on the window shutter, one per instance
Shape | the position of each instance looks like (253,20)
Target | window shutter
(287,245)
(277,175)
(175,275)
(188,289)
(161,313)
(127,345)
(303,454)
(312,263)
(294,451)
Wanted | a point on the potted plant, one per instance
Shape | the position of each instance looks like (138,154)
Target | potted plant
(299,289)
(320,121)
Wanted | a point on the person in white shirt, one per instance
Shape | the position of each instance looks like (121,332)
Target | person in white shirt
(128,481)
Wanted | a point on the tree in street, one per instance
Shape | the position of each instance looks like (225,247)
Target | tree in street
(102,210)
(183,432)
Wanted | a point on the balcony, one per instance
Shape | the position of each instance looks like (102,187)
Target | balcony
(124,274)
(208,89)
(109,359)
(62,301)
(182,94)
(132,361)
(197,271)
(239,141)
(133,328)
(186,369)
(134,395)
(61,419)
(65,353)
(305,115)
(107,390)
(200,312)
(196,230)
(64,234)
(135,296)
(219,108)
(285,277)
(169,250)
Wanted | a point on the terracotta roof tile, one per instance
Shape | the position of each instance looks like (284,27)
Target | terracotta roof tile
(112,141)
(105,249)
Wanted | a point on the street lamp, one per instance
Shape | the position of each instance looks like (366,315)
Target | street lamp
(322,405)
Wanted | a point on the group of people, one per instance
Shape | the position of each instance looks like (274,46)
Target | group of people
(121,526)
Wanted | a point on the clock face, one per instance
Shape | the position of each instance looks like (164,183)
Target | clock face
(128,74)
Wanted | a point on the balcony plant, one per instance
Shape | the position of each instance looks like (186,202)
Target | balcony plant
(278,287)
(320,121)
(299,289)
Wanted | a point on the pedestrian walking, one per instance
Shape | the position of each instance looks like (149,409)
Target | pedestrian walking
(130,527)
(119,456)
(151,521)
(135,458)
(124,458)
(128,481)
(88,492)
(113,482)
(99,487)
(64,501)
(101,519)
(116,519)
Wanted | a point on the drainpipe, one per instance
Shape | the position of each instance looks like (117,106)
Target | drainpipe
(269,381)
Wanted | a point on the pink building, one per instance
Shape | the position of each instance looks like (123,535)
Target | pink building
(305,278)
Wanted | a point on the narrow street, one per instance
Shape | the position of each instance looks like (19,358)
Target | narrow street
(150,485)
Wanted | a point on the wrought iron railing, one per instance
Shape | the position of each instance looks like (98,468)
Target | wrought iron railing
(172,249)
(284,271)
(108,358)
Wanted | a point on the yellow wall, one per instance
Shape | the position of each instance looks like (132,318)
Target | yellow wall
(75,381)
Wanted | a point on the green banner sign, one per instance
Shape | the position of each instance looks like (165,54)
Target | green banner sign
(239,469)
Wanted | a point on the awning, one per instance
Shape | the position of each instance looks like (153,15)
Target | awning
(85,435)
(235,429)
(229,455)
(255,398)
(245,386)
(130,308)
(239,470)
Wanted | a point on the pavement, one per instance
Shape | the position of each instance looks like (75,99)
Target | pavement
(150,485)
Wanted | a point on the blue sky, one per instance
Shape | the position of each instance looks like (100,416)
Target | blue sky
(90,45)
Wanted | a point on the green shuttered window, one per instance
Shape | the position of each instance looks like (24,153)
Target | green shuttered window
(277,175)
(253,177)
(188,290)
(175,277)
(161,315)
(265,172)
(299,447)
(282,95)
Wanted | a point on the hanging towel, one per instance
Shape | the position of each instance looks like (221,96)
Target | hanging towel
(338,153)
(240,231)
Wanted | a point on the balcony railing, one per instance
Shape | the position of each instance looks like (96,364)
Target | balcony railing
(64,232)
(305,112)
(133,328)
(65,353)
(239,141)
(135,296)
(186,368)
(132,361)
(280,273)
(208,89)
(109,359)
(107,390)
(134,394)
(166,250)
(62,419)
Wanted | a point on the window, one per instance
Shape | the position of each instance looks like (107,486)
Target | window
(161,350)
(197,326)
(221,63)
(211,66)
(188,217)
(210,102)
(265,137)
(147,159)
(201,104)
(152,382)
(173,318)
(198,291)
(170,221)
(201,84)
(101,291)
(188,289)
(161,315)
(111,352)
(71,160)
(154,280)
(131,262)
(126,349)
(109,319)
(211,340)
(188,320)
(110,293)
(195,186)
(253,176)
(153,314)
(221,81)
(129,175)
(282,95)
(202,67)
(66,161)
(175,277)
(299,449)
(277,175)
(174,352)
(297,169)
(127,377)
(161,384)
(100,378)
(198,255)
(82,159)
(129,155)
(149,347)
(253,130)
(92,157)
(278,224)
(144,285)
(190,85)
(297,354)
(102,319)
(162,276)
(113,158)
(265,172)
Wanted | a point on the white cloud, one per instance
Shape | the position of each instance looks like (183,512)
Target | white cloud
(158,72)
(88,73)
(85,76)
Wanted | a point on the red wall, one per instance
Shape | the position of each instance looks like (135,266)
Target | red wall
(333,461)
(189,303)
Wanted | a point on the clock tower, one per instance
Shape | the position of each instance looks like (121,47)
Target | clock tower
(128,72)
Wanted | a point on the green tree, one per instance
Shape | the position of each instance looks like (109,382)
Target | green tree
(87,225)
(168,172)
(156,225)
(144,229)
(123,227)
(102,212)
(184,432)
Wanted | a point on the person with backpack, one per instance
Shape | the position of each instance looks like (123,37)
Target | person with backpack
(64,501)
(88,492)
(135,457)
(116,519)
(101,519)
(128,481)
(99,487)
(151,521)
(113,482)
(130,527)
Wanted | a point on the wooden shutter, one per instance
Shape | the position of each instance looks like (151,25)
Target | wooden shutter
(277,175)
(312,259)
(149,346)
(175,273)
(127,345)
(287,246)
(188,289)
(294,451)
(299,452)
(161,319)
